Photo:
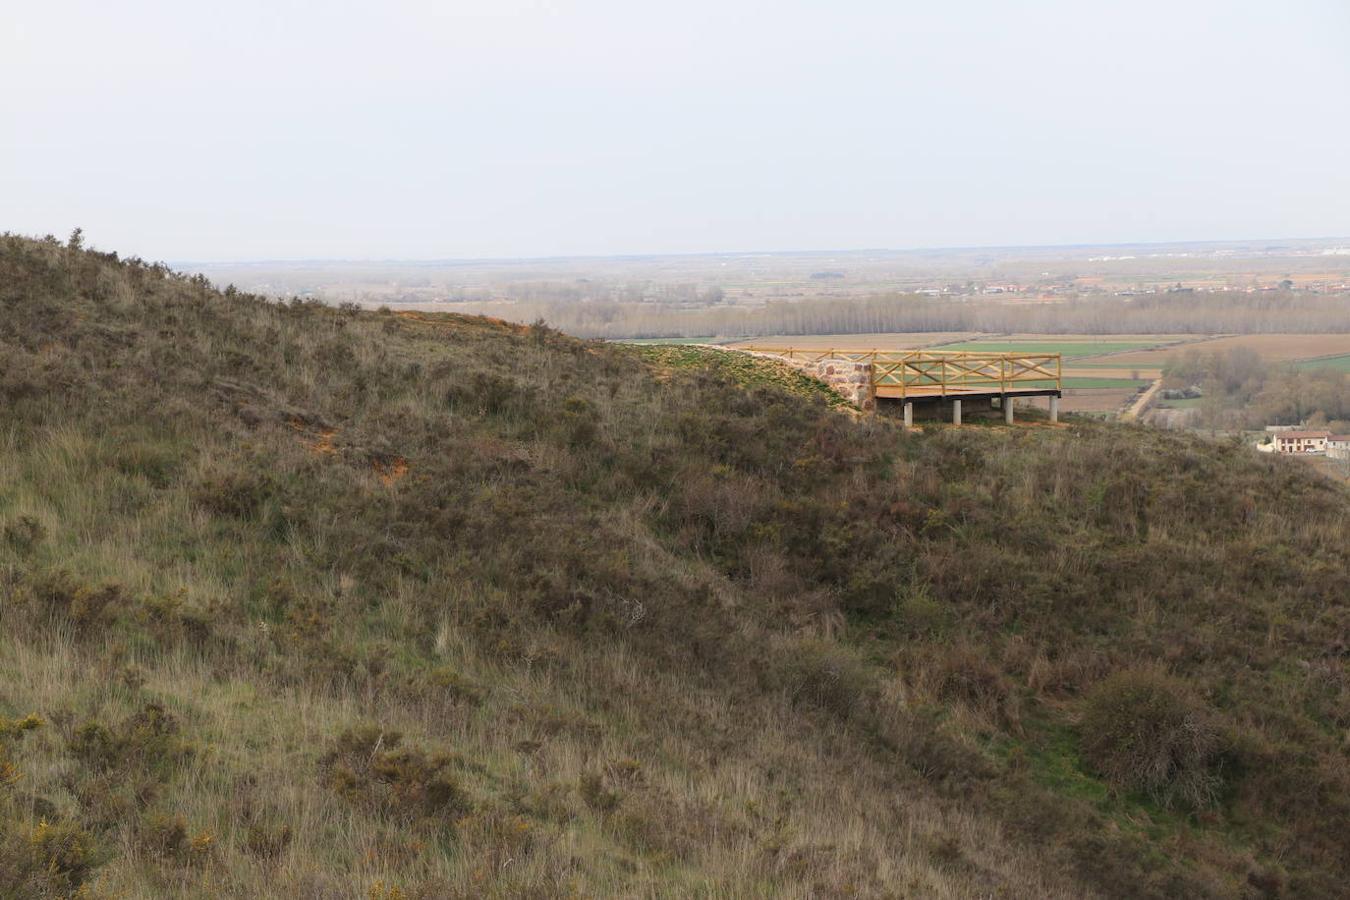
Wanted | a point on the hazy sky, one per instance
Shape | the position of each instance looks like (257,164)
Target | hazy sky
(269,129)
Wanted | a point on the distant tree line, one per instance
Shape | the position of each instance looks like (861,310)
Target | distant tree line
(1241,390)
(700,313)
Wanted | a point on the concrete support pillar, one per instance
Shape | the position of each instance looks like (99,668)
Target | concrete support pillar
(1054,408)
(956,412)
(1007,411)
(909,414)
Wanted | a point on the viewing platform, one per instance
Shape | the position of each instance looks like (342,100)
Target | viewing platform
(873,379)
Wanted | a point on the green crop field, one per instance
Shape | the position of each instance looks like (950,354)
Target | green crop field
(1134,383)
(1339,363)
(1111,362)
(1068,349)
(1088,383)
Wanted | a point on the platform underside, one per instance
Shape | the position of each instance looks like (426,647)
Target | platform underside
(924,395)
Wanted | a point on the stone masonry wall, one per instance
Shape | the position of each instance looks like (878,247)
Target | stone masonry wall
(848,378)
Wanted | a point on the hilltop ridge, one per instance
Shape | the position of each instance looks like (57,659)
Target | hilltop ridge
(323,602)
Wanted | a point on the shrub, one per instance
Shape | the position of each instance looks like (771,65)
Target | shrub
(368,767)
(24,533)
(964,673)
(147,740)
(580,422)
(267,840)
(10,731)
(825,675)
(11,728)
(89,610)
(231,494)
(54,859)
(156,463)
(170,618)
(94,745)
(486,394)
(1143,732)
(164,835)
(450,683)
(598,795)
(919,615)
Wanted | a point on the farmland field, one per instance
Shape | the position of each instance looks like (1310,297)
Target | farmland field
(1071,346)
(1272,347)
(1096,356)
(1087,387)
(1339,363)
(1101,373)
(1067,349)
(1076,383)
(1096,400)
(1091,383)
(1078,369)
(910,340)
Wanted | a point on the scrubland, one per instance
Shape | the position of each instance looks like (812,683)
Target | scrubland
(312,602)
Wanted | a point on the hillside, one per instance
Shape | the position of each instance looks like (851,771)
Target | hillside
(321,603)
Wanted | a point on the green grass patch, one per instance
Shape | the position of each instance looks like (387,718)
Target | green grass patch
(1335,363)
(742,368)
(1049,752)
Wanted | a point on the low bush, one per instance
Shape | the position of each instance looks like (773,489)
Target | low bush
(267,840)
(1142,731)
(825,675)
(11,730)
(147,741)
(598,795)
(369,767)
(23,533)
(156,463)
(53,859)
(918,615)
(488,394)
(88,610)
(167,837)
(232,493)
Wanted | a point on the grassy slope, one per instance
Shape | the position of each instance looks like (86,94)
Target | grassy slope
(311,602)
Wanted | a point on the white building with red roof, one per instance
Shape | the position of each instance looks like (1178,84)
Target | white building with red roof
(1295,441)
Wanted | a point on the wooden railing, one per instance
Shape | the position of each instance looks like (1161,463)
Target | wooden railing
(927,373)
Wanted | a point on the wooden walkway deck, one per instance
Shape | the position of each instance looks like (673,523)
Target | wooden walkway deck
(920,375)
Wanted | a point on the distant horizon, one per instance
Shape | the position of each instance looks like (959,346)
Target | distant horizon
(973,248)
